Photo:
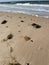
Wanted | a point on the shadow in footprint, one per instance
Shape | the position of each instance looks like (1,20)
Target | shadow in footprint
(4,22)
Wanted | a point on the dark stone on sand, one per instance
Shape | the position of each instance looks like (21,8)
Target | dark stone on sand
(4,22)
(22,21)
(36,25)
(14,64)
(10,36)
(27,38)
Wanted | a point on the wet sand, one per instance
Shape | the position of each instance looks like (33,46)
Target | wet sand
(24,39)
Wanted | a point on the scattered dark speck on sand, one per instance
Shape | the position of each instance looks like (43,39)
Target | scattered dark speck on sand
(22,21)
(19,31)
(31,40)
(7,16)
(4,40)
(6,26)
(11,49)
(27,63)
(19,17)
(31,19)
(36,25)
(18,25)
(27,38)
(4,22)
(14,64)
(24,17)
(10,36)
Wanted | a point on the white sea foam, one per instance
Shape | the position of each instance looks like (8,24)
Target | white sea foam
(25,4)
(35,9)
(28,4)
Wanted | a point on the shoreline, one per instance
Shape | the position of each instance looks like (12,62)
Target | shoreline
(24,14)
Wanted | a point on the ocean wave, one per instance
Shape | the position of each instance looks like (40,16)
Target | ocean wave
(26,8)
(28,4)
(25,4)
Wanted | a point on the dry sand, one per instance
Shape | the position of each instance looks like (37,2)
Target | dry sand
(24,39)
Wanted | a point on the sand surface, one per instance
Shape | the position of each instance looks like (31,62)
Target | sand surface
(24,39)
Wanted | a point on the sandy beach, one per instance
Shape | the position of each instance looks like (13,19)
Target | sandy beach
(24,39)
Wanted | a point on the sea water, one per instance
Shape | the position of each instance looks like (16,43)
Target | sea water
(26,8)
